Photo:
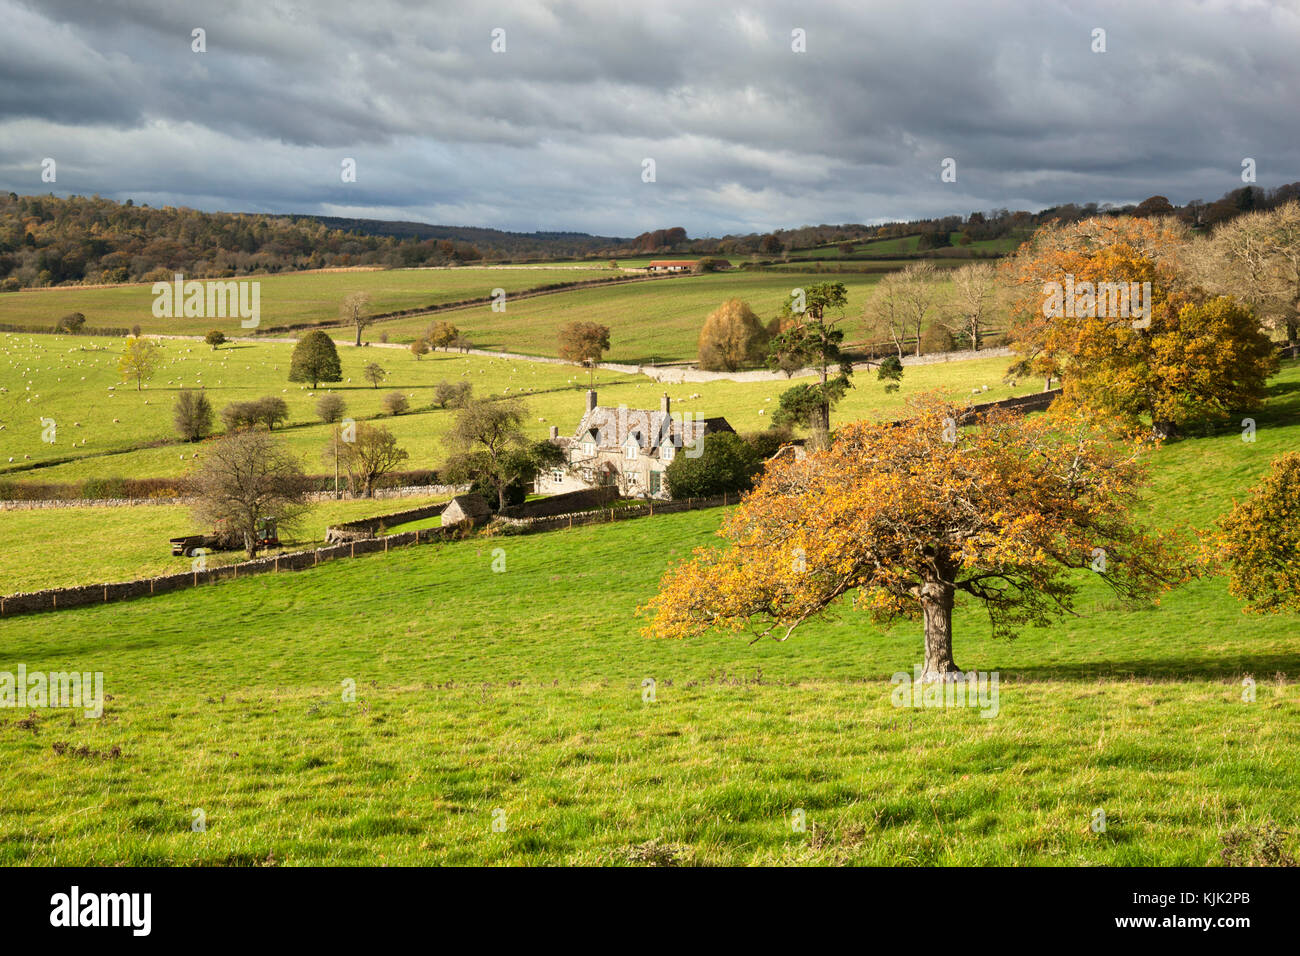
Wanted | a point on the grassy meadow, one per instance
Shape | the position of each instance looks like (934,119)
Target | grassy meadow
(287,299)
(105,426)
(648,322)
(515,698)
(45,548)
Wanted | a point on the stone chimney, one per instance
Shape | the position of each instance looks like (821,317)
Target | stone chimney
(591,399)
(665,405)
(555,432)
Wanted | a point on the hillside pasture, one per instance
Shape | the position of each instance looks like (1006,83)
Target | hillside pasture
(526,707)
(106,428)
(63,547)
(286,299)
(649,323)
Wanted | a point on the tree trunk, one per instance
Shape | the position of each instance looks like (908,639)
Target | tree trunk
(824,410)
(1047,384)
(936,611)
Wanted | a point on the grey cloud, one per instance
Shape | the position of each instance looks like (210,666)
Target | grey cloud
(746,134)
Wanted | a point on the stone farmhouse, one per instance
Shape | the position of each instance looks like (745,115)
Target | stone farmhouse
(630,448)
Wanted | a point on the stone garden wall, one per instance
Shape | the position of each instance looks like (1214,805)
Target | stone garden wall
(52,599)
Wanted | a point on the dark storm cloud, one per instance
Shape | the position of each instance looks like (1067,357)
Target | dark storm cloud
(746,134)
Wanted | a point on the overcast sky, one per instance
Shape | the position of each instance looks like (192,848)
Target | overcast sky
(746,134)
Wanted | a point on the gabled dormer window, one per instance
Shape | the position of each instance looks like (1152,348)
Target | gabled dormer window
(589,448)
(666,451)
(630,449)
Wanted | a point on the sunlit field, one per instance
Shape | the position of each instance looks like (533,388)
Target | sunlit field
(526,708)
(287,299)
(103,426)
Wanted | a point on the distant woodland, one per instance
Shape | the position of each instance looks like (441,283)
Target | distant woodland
(50,241)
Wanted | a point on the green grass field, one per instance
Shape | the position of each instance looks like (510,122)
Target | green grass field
(648,322)
(44,548)
(73,380)
(53,548)
(516,698)
(286,299)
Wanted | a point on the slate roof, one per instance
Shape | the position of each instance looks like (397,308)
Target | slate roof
(464,507)
(611,428)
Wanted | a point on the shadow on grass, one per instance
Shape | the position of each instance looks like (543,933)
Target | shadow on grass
(1229,669)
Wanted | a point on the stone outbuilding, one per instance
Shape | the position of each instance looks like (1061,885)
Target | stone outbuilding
(466,509)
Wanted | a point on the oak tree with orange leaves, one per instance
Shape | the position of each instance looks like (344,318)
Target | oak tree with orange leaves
(906,517)
(1188,358)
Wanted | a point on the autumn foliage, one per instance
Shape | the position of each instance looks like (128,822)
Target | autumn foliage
(732,337)
(1259,540)
(583,343)
(901,518)
(1193,358)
